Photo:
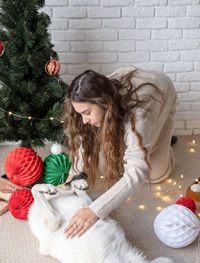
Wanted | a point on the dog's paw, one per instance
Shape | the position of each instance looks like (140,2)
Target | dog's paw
(53,222)
(80,184)
(45,188)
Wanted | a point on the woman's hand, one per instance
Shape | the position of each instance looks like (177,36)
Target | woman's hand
(80,222)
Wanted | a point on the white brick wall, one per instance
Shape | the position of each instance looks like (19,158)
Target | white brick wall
(152,34)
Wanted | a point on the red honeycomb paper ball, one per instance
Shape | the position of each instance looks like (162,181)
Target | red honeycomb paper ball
(20,202)
(23,167)
(187,202)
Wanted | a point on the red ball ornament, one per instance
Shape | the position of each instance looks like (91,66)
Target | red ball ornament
(23,167)
(20,202)
(52,67)
(187,202)
(2,49)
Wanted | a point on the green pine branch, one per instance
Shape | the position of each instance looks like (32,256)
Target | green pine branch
(26,90)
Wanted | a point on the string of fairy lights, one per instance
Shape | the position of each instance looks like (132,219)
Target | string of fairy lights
(162,196)
(10,113)
(158,190)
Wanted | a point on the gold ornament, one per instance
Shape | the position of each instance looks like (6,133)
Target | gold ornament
(52,67)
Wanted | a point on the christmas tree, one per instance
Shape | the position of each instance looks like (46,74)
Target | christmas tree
(31,108)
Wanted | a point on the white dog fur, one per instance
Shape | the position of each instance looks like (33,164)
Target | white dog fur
(104,242)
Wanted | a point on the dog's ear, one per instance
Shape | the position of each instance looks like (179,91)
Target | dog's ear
(80,176)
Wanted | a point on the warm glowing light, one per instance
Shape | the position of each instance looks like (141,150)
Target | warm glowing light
(158,194)
(102,177)
(179,186)
(29,117)
(181,175)
(51,118)
(158,188)
(198,214)
(174,183)
(166,198)
(193,143)
(196,180)
(128,199)
(181,195)
(141,207)
(9,113)
(159,208)
(192,150)
(61,121)
(169,181)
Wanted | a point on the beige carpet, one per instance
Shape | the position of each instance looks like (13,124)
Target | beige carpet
(18,245)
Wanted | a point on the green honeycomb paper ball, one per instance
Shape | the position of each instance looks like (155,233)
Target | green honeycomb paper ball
(56,168)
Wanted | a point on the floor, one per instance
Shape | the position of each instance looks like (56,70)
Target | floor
(136,215)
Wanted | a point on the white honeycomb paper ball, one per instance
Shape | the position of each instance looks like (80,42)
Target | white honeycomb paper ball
(176,226)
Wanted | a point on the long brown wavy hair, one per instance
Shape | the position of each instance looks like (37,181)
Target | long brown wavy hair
(85,139)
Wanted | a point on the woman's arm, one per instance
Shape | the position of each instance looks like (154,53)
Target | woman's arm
(135,172)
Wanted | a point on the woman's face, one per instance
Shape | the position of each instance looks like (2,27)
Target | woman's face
(91,113)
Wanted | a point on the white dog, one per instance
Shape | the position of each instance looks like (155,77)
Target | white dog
(104,242)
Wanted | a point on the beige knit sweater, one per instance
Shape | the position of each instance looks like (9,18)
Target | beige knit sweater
(154,123)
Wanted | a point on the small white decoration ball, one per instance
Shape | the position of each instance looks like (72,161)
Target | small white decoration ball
(176,226)
(195,188)
(56,148)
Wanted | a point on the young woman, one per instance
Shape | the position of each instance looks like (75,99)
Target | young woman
(124,121)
